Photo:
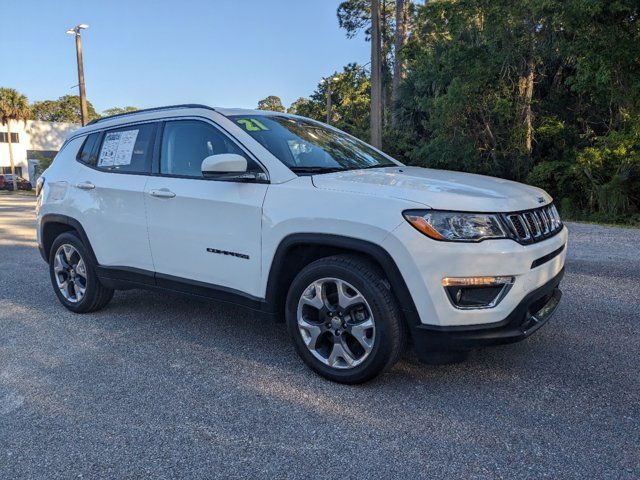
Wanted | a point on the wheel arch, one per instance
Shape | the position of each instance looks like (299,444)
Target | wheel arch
(53,225)
(298,250)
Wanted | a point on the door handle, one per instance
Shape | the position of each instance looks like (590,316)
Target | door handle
(162,193)
(85,186)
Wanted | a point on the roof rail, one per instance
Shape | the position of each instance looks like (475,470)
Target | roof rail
(154,109)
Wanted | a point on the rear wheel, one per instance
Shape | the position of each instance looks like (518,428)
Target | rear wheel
(73,276)
(344,320)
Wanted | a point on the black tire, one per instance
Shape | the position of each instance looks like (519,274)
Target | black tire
(390,328)
(96,295)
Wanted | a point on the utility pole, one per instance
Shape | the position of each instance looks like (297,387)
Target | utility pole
(83,95)
(376,76)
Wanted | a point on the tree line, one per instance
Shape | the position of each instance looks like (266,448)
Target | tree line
(67,109)
(541,91)
(63,109)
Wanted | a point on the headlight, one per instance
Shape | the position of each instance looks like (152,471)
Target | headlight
(456,226)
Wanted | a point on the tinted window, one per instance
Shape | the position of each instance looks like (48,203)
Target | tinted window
(186,143)
(89,152)
(127,149)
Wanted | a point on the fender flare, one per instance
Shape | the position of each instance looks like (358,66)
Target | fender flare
(71,222)
(378,253)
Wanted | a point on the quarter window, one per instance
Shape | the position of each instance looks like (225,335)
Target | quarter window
(186,143)
(127,149)
(88,153)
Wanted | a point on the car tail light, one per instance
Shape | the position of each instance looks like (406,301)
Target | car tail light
(39,185)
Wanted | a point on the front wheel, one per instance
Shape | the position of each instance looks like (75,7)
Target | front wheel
(344,320)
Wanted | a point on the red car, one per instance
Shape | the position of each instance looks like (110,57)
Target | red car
(6,183)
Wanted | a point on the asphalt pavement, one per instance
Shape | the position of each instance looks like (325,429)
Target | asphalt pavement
(165,386)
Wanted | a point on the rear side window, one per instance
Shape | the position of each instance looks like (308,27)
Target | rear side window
(127,149)
(88,153)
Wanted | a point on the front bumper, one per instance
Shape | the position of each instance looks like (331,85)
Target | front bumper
(423,263)
(530,314)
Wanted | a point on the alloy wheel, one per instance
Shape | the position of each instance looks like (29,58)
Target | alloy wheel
(336,323)
(70,272)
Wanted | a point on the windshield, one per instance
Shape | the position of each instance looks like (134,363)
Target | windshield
(307,147)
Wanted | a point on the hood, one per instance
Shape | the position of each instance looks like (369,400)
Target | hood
(437,189)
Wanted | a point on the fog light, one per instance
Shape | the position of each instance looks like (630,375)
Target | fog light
(476,292)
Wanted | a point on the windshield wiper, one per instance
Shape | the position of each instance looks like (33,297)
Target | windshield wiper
(374,166)
(316,169)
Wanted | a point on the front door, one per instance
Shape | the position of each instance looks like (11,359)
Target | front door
(203,232)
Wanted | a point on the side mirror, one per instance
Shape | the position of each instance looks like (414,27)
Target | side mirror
(223,165)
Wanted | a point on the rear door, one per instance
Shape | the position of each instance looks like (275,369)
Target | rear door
(203,232)
(109,194)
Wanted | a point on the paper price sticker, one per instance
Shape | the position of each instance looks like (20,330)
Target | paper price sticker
(117,148)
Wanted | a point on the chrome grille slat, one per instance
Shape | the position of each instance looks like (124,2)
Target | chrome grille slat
(533,225)
(538,219)
(519,227)
(545,220)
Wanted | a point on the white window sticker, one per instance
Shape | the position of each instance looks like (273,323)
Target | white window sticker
(117,148)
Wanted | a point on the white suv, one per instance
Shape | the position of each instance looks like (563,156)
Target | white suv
(297,220)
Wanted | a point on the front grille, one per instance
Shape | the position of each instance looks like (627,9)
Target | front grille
(534,225)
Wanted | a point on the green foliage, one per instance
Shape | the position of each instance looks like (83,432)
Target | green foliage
(354,16)
(271,103)
(118,110)
(558,178)
(13,105)
(297,106)
(464,104)
(350,98)
(64,109)
(44,161)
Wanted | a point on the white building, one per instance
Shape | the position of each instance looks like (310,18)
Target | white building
(30,140)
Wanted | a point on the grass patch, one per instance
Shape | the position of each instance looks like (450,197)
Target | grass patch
(626,221)
(24,193)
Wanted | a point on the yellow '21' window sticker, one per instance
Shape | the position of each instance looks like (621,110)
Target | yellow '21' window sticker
(251,124)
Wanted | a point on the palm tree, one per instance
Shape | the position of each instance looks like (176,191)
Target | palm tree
(13,106)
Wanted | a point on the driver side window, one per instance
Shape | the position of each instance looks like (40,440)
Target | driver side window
(186,143)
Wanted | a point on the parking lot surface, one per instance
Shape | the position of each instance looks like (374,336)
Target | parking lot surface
(165,386)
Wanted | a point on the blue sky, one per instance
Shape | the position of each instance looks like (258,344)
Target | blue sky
(148,53)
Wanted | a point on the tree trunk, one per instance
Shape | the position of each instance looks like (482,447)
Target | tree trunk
(398,63)
(376,76)
(525,92)
(384,67)
(13,169)
(329,104)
